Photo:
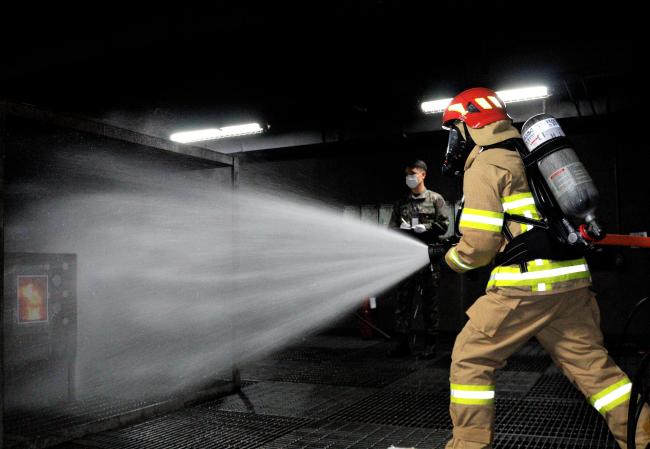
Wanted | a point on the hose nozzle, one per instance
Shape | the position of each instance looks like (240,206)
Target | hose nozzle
(437,252)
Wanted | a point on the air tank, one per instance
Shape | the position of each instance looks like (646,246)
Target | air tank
(563,172)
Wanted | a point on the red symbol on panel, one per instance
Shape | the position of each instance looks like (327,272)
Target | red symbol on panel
(32,299)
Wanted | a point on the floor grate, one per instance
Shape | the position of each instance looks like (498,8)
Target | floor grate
(426,379)
(336,435)
(554,418)
(201,428)
(555,386)
(505,441)
(406,408)
(309,354)
(32,423)
(330,373)
(515,383)
(291,399)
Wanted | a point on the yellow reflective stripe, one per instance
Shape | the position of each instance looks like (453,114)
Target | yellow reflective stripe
(545,264)
(472,387)
(606,391)
(523,210)
(530,282)
(472,394)
(528,214)
(516,197)
(481,219)
(480,226)
(616,403)
(521,200)
(457,107)
(483,213)
(541,274)
(472,401)
(495,101)
(542,287)
(455,258)
(612,396)
(483,103)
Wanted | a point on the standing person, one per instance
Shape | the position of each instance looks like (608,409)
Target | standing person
(546,299)
(421,214)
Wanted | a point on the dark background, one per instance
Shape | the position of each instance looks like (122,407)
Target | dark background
(340,83)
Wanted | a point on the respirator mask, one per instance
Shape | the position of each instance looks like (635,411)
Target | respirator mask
(459,145)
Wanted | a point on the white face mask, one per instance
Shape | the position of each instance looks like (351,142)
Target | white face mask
(412,181)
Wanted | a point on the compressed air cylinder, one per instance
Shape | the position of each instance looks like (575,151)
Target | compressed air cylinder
(565,175)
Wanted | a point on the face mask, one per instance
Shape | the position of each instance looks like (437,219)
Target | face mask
(458,148)
(412,181)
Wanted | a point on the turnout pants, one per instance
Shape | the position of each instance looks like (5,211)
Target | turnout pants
(568,326)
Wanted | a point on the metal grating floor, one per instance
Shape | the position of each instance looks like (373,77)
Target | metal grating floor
(334,435)
(555,386)
(554,418)
(515,383)
(331,373)
(311,354)
(504,441)
(32,423)
(200,428)
(291,399)
(405,408)
(400,408)
(358,399)
(425,379)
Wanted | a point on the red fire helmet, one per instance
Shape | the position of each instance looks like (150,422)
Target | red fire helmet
(476,107)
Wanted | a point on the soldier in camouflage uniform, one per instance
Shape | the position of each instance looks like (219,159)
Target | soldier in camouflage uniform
(422,215)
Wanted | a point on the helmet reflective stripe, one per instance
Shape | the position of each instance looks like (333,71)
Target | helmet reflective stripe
(548,272)
(484,220)
(496,102)
(483,103)
(612,396)
(457,107)
(472,394)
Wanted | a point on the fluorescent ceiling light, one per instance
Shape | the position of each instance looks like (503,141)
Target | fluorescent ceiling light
(216,133)
(508,96)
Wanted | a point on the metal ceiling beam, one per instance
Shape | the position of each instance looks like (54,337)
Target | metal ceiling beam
(93,127)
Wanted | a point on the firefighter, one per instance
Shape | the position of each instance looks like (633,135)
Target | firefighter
(547,299)
(422,215)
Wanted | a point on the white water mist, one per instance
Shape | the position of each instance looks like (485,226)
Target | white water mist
(177,283)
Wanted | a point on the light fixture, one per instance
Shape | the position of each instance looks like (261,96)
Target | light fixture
(200,135)
(508,96)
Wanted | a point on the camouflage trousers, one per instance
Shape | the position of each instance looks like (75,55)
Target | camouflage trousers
(425,282)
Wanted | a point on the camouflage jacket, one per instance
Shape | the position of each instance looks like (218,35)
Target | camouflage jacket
(427,208)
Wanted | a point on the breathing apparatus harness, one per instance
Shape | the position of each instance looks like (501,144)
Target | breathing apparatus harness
(553,236)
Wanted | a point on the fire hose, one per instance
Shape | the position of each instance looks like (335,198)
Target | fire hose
(624,240)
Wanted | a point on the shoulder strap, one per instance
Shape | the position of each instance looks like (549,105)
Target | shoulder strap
(509,144)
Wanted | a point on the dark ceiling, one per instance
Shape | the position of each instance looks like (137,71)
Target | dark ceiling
(311,61)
